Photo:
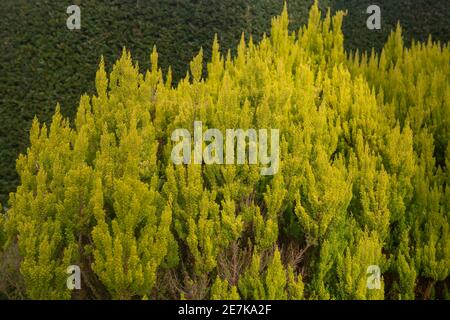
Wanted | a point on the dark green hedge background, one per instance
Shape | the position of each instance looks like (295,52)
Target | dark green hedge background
(42,62)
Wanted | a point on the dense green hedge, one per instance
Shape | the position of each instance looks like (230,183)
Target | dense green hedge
(418,18)
(42,62)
